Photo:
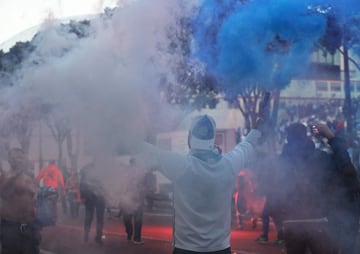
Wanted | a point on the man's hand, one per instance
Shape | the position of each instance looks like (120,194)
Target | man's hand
(322,130)
(262,123)
(265,129)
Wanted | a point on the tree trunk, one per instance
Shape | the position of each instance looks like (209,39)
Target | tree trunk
(275,108)
(347,102)
(73,153)
(273,120)
(60,153)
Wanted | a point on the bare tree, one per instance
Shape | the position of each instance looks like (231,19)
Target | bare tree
(73,147)
(60,129)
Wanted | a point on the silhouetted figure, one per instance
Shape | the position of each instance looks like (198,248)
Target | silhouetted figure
(345,213)
(268,180)
(72,189)
(52,177)
(150,187)
(306,180)
(93,195)
(134,210)
(19,232)
(271,210)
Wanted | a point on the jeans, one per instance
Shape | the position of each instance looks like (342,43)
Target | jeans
(91,206)
(53,199)
(136,228)
(17,238)
(181,251)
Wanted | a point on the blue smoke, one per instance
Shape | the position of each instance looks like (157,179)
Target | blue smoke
(267,42)
(206,26)
(343,8)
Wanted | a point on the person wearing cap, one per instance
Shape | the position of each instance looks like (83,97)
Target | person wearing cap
(203,183)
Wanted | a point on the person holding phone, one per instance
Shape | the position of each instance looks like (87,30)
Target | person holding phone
(344,218)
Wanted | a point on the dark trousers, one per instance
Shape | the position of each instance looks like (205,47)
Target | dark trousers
(135,228)
(63,204)
(181,251)
(53,199)
(268,212)
(73,204)
(344,227)
(91,206)
(19,238)
(300,237)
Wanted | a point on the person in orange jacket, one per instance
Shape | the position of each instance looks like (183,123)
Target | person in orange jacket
(52,177)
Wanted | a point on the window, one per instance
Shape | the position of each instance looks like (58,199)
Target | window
(356,84)
(335,87)
(321,86)
(352,87)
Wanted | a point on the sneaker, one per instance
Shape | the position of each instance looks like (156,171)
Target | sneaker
(98,240)
(279,242)
(138,242)
(261,239)
(128,238)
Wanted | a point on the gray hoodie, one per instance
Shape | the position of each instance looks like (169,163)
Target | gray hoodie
(203,184)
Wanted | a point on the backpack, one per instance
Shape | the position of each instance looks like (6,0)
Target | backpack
(44,216)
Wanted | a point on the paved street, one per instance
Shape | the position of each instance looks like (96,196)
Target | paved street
(67,237)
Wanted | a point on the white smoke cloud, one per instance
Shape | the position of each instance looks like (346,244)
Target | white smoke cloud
(106,83)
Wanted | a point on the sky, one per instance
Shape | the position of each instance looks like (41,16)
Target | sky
(17,16)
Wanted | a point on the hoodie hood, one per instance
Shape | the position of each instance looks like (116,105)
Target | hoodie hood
(299,144)
(202,133)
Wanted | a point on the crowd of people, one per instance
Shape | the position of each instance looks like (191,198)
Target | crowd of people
(311,194)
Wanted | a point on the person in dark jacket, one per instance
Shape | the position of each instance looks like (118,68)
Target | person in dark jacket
(306,176)
(344,218)
(267,187)
(270,210)
(93,195)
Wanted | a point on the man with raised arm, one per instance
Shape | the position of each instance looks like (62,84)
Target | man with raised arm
(203,183)
(344,218)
